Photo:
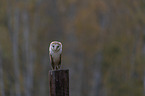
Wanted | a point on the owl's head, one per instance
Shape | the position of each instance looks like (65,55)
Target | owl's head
(55,46)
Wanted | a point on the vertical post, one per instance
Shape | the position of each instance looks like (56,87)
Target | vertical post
(59,82)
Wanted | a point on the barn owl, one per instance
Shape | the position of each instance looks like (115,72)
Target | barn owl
(55,51)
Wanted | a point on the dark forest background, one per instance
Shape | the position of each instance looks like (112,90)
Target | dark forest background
(103,46)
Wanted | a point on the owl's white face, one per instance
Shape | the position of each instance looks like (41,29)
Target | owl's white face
(55,46)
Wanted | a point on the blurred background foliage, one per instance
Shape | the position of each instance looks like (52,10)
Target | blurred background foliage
(103,46)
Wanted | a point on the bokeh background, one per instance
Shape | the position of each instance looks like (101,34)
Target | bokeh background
(103,46)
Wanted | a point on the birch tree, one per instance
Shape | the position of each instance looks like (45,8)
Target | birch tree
(29,41)
(27,54)
(15,51)
(2,91)
(144,68)
(14,33)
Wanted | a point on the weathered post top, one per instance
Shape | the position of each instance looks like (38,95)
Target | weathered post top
(59,82)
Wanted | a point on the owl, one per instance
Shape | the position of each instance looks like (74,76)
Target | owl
(55,51)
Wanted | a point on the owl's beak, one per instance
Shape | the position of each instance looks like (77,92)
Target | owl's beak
(55,48)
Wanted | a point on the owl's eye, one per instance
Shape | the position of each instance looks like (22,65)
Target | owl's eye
(57,46)
(53,46)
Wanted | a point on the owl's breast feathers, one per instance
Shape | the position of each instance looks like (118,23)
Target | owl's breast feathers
(56,58)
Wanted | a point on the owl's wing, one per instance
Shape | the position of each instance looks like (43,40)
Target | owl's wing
(59,64)
(51,61)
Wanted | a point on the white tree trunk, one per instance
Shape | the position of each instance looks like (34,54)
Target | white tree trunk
(15,51)
(96,80)
(28,52)
(144,68)
(144,82)
(14,38)
(2,91)
(27,81)
(14,33)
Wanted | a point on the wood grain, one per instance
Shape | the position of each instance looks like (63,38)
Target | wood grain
(59,82)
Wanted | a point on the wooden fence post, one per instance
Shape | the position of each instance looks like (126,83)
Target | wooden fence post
(59,82)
